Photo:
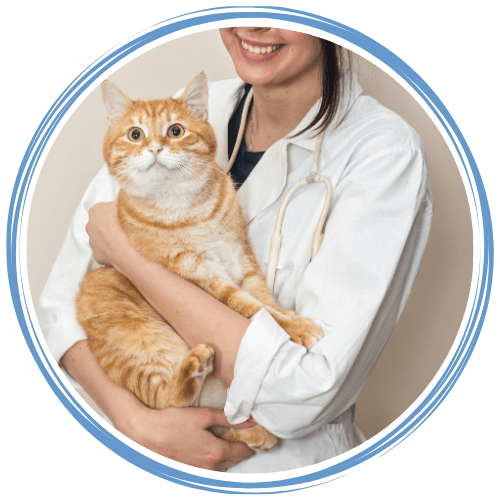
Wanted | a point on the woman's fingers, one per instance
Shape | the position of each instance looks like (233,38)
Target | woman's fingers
(217,417)
(232,454)
(228,453)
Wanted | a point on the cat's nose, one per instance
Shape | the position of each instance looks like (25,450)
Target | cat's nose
(155,149)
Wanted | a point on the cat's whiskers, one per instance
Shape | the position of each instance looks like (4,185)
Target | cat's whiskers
(131,165)
(126,171)
(190,163)
(190,174)
(186,167)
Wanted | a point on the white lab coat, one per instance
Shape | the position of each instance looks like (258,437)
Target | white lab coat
(355,288)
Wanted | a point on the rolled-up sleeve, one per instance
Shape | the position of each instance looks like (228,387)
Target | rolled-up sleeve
(56,308)
(354,289)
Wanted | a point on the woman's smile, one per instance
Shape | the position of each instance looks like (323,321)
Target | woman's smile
(259,52)
(271,56)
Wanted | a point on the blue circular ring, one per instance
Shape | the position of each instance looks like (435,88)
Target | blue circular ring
(481,292)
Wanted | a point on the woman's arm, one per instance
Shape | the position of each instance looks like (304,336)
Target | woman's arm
(194,314)
(178,433)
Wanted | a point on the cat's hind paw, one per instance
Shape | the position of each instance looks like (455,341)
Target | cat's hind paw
(185,387)
(201,360)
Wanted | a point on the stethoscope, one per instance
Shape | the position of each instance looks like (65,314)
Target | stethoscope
(310,179)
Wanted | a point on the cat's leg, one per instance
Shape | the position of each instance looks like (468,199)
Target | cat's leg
(134,345)
(184,388)
(301,330)
(195,267)
(142,353)
(255,284)
(256,437)
(158,387)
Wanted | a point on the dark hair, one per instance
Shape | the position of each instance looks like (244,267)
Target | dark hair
(334,59)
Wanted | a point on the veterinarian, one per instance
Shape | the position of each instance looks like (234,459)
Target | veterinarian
(354,288)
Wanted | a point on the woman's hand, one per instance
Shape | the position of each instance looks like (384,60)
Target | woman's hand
(178,433)
(107,238)
(182,434)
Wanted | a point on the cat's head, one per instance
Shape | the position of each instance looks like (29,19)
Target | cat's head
(152,143)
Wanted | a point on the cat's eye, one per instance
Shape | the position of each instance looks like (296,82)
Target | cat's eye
(135,134)
(175,131)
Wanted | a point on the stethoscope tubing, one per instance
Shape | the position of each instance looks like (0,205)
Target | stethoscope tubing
(312,178)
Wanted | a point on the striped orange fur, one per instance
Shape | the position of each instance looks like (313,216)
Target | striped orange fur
(177,208)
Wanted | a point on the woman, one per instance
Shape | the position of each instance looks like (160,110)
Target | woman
(354,288)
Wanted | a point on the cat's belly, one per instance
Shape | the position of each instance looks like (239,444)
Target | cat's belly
(224,259)
(213,394)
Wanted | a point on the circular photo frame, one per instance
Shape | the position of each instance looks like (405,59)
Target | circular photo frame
(481,221)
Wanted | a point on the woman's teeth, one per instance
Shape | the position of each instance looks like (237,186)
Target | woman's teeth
(261,50)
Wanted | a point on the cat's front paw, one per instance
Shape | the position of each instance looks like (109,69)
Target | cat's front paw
(303,331)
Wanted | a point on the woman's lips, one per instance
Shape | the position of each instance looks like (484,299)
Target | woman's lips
(258,52)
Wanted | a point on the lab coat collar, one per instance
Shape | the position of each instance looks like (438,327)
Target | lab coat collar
(267,180)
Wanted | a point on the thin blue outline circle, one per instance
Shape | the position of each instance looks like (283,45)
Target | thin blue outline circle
(482,286)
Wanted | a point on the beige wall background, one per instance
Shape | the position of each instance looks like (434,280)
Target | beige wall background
(433,313)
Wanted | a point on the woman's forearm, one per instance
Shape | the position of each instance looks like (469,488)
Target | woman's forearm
(194,314)
(116,402)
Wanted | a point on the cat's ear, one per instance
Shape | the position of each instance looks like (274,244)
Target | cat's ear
(115,101)
(195,96)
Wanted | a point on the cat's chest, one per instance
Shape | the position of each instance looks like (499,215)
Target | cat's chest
(153,237)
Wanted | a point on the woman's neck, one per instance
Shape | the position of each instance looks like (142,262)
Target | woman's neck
(278,109)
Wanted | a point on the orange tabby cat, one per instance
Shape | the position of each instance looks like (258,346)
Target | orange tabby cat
(177,208)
